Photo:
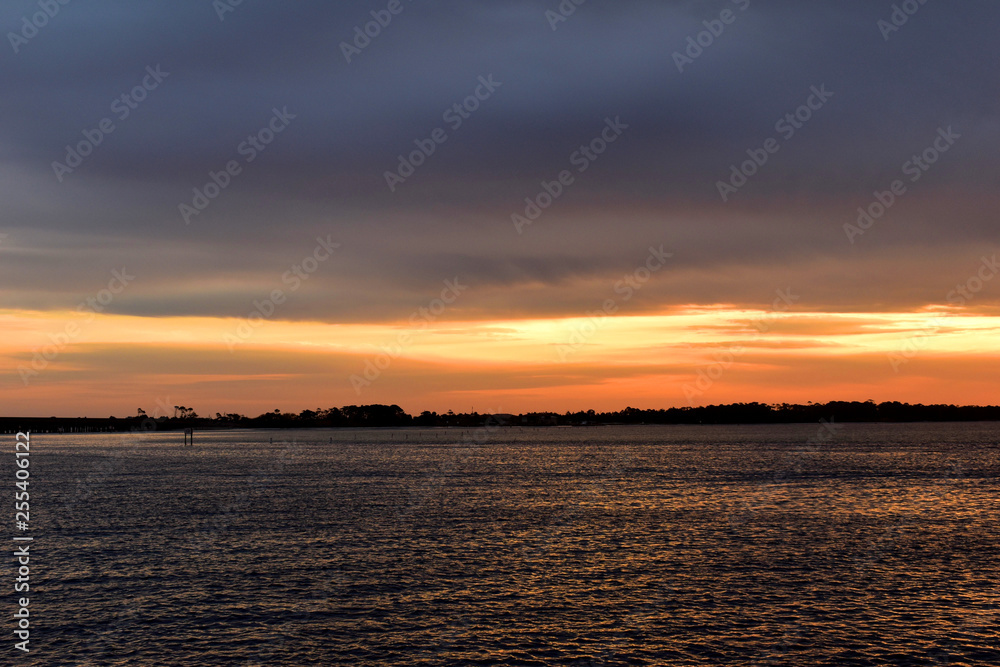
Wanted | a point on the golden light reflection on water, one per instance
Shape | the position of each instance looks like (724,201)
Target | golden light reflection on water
(646,545)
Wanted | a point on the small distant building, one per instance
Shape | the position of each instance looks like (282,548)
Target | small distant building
(541,419)
(550,419)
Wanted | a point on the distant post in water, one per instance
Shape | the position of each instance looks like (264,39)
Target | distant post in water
(188,432)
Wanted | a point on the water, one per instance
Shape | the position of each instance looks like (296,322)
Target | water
(748,545)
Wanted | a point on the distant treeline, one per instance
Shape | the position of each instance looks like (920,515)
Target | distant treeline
(366,416)
(736,413)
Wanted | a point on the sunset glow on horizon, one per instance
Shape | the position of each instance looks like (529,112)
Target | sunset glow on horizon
(684,356)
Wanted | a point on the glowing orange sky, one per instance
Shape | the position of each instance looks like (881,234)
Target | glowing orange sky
(116,364)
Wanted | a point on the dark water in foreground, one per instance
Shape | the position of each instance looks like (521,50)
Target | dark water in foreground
(603,546)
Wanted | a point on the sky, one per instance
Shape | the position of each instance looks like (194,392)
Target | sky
(496,206)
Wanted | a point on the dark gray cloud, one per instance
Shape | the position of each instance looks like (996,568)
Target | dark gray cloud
(656,184)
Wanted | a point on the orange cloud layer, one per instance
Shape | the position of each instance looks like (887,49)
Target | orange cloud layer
(63,364)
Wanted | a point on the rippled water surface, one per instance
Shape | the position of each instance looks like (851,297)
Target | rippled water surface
(731,545)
